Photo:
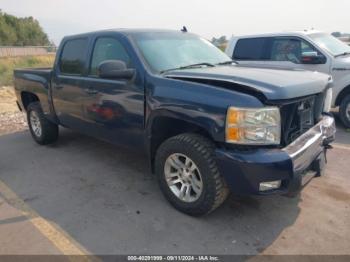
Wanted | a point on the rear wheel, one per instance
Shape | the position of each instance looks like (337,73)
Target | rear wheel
(188,175)
(42,130)
(344,111)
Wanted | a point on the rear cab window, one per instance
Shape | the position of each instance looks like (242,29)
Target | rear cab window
(73,57)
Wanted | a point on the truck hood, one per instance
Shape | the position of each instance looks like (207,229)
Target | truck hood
(274,84)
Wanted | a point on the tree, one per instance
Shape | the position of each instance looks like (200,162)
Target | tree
(219,41)
(21,31)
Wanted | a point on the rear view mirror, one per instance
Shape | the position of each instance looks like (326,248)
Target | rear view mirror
(115,69)
(312,57)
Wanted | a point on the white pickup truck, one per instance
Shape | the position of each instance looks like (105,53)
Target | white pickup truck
(308,50)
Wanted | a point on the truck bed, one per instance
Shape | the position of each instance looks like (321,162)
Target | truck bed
(41,71)
(34,81)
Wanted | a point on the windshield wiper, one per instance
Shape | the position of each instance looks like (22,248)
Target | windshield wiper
(229,62)
(187,66)
(342,54)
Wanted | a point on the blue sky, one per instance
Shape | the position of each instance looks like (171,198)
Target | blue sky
(206,17)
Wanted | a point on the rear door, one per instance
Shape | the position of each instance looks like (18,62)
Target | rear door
(68,83)
(114,109)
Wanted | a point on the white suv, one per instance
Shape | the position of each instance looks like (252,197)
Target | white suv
(308,50)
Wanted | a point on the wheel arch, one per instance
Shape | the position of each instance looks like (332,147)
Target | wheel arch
(27,98)
(342,94)
(165,127)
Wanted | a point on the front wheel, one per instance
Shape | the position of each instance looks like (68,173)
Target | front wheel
(344,111)
(42,130)
(188,175)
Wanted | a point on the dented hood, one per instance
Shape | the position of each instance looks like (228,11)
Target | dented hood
(274,84)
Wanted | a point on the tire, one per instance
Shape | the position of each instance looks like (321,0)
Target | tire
(42,130)
(212,190)
(344,111)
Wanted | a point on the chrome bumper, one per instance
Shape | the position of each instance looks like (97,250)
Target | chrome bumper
(311,144)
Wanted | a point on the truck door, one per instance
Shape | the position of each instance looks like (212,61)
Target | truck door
(114,108)
(68,83)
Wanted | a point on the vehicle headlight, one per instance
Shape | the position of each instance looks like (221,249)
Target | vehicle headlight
(253,126)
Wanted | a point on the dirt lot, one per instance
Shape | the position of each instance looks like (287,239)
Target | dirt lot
(82,195)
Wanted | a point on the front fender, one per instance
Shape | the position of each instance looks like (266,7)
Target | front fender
(341,78)
(199,104)
(211,123)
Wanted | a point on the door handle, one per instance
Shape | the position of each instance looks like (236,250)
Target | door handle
(90,91)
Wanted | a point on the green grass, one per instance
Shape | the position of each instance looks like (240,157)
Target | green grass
(8,64)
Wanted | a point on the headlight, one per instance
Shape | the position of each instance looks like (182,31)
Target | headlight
(253,126)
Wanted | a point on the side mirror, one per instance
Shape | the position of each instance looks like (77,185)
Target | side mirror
(115,69)
(312,57)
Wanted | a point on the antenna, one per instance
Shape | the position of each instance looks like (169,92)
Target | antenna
(184,29)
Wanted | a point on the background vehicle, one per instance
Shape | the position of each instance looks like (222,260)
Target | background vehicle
(309,50)
(205,124)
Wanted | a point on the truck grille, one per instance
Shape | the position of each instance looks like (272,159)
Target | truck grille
(298,116)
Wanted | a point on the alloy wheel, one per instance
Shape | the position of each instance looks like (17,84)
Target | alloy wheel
(183,177)
(35,123)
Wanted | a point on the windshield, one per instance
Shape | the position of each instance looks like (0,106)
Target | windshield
(332,44)
(169,50)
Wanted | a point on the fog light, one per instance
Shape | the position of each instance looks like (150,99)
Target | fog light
(264,186)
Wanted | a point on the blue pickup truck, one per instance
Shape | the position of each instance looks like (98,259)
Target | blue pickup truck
(207,125)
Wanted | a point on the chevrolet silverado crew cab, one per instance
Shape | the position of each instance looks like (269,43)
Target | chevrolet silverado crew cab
(206,124)
(308,50)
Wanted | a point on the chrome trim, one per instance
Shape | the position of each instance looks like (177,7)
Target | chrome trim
(310,144)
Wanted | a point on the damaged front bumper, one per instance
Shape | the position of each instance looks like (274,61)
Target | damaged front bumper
(285,170)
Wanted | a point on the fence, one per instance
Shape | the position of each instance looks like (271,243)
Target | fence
(12,51)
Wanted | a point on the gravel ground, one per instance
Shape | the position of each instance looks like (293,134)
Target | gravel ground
(11,119)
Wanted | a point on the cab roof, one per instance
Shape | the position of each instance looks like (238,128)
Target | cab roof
(124,31)
(283,33)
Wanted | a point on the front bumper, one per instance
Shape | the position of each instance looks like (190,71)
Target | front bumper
(293,165)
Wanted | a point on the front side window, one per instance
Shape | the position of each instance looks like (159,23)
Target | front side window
(107,48)
(169,50)
(251,49)
(290,49)
(73,57)
(306,47)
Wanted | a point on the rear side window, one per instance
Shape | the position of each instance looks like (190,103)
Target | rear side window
(251,49)
(73,57)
